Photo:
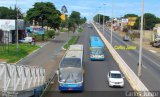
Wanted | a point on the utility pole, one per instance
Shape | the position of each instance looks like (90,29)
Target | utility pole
(141,40)
(112,22)
(99,17)
(103,24)
(17,45)
(103,18)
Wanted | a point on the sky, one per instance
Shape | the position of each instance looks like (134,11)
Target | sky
(89,8)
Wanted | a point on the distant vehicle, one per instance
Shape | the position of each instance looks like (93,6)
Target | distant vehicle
(70,72)
(115,78)
(27,40)
(156,44)
(126,38)
(96,48)
(89,26)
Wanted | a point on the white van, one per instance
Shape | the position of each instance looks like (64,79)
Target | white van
(26,40)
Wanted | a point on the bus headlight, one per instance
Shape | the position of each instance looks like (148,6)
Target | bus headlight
(102,56)
(62,80)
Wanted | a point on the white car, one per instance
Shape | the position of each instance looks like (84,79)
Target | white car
(115,78)
(26,40)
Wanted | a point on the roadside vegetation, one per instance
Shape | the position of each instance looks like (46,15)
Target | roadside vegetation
(80,29)
(12,56)
(73,40)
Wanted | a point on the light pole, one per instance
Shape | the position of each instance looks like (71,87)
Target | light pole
(141,40)
(103,18)
(17,45)
(99,16)
(103,24)
(112,21)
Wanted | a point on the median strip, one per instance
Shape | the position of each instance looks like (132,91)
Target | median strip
(134,81)
(73,40)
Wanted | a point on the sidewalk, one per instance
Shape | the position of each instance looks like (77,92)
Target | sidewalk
(146,43)
(48,56)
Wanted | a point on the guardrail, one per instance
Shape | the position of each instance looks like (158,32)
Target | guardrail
(134,81)
(47,85)
(20,77)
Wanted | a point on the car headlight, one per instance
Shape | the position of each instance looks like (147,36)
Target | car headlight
(111,82)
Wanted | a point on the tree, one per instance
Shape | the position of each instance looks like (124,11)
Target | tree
(149,21)
(9,13)
(98,17)
(130,15)
(75,16)
(44,11)
(83,20)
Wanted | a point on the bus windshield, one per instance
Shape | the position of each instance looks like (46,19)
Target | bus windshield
(98,51)
(71,62)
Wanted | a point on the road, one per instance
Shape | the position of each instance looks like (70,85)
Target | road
(95,78)
(48,56)
(151,63)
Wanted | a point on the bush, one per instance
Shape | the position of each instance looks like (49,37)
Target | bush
(51,33)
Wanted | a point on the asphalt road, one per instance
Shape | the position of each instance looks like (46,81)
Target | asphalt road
(95,78)
(151,63)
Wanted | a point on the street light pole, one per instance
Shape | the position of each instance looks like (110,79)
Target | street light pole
(103,18)
(99,19)
(112,22)
(17,45)
(99,16)
(141,40)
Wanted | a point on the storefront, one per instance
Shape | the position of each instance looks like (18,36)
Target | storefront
(8,28)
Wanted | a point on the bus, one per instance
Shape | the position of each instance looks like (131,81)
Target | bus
(96,48)
(70,72)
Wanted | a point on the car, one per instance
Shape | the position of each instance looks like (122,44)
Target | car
(126,38)
(115,79)
(26,40)
(89,26)
(156,44)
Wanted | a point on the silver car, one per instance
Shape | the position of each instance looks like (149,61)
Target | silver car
(126,38)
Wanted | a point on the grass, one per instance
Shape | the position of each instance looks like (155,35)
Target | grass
(73,40)
(64,30)
(80,29)
(12,56)
(39,37)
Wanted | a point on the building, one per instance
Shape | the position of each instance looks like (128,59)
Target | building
(8,30)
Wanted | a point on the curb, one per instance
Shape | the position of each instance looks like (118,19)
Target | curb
(31,53)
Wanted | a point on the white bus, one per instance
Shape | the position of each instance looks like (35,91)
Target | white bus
(70,72)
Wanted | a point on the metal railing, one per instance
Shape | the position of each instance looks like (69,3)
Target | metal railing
(20,77)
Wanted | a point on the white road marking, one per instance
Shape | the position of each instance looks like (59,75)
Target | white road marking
(138,52)
(152,51)
(129,54)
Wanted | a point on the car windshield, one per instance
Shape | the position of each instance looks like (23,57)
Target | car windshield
(98,51)
(70,62)
(116,75)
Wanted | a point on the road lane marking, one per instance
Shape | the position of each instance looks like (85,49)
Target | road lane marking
(138,52)
(152,51)
(134,81)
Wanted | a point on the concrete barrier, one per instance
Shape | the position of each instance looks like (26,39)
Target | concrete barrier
(132,78)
